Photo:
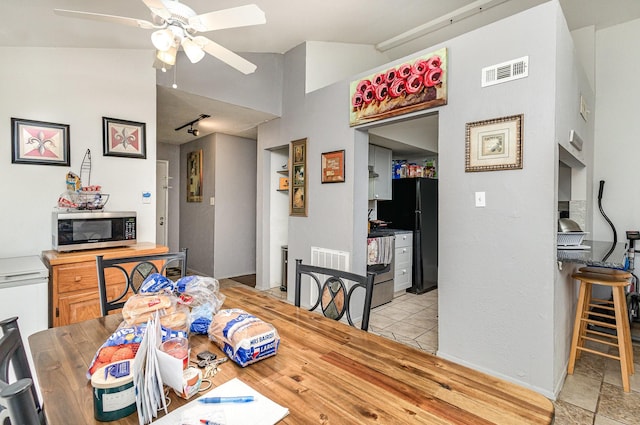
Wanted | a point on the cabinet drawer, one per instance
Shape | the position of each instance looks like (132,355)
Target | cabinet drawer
(403,255)
(74,277)
(402,278)
(71,277)
(404,239)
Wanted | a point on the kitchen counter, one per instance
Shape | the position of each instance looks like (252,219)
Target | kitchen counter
(595,255)
(379,232)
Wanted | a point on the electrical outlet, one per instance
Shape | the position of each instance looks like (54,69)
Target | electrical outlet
(480,199)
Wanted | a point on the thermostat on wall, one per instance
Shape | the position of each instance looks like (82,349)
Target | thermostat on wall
(146,197)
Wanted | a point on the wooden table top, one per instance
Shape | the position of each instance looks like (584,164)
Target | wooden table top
(325,372)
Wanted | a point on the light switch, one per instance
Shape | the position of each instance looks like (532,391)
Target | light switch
(480,200)
(212,201)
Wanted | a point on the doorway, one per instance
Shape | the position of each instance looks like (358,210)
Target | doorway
(162,202)
(413,145)
(279,206)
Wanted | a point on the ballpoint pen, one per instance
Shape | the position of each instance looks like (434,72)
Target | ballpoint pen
(242,399)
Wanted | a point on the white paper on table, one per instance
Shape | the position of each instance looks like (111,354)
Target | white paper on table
(139,379)
(170,370)
(261,411)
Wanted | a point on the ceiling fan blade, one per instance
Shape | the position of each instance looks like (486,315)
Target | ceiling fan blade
(132,22)
(241,16)
(158,8)
(225,55)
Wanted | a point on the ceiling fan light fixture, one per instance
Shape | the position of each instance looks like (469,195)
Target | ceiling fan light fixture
(192,50)
(168,56)
(163,39)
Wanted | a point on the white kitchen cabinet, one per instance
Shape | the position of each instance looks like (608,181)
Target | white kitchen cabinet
(403,262)
(379,173)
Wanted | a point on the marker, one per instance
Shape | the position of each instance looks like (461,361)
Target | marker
(243,399)
(208,422)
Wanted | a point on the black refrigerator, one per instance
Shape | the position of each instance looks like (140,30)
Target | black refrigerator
(414,206)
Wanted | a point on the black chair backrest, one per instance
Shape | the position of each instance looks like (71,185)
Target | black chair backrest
(134,270)
(19,397)
(333,295)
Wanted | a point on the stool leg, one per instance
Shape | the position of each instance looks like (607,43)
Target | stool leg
(627,327)
(577,326)
(623,337)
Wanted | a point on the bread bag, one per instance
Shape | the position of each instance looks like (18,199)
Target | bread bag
(244,338)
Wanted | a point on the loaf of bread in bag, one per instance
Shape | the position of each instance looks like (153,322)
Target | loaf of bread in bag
(243,337)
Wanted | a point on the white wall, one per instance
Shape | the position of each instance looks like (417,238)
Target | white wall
(572,83)
(328,62)
(235,209)
(76,87)
(261,90)
(197,222)
(616,129)
(497,264)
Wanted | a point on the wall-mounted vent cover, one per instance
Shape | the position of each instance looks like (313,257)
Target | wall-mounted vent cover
(506,71)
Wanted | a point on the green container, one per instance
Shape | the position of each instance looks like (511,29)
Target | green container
(113,398)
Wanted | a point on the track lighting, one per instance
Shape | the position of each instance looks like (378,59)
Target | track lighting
(190,124)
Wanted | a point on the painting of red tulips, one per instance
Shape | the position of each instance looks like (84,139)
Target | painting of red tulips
(417,84)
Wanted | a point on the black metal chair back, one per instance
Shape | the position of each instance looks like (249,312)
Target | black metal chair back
(134,270)
(19,398)
(334,297)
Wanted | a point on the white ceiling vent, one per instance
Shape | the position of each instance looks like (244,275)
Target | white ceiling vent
(506,71)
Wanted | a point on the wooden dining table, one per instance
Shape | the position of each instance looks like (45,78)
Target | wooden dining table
(325,372)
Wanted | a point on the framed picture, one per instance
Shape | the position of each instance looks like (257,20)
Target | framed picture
(333,167)
(412,85)
(298,184)
(124,138)
(298,174)
(494,145)
(38,142)
(194,176)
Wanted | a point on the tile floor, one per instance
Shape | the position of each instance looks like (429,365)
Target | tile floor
(591,396)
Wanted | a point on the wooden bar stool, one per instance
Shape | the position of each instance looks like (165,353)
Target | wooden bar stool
(604,311)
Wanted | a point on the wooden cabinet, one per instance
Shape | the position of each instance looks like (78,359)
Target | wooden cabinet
(403,262)
(73,281)
(379,173)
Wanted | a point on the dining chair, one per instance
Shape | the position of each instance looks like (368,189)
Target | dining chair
(134,270)
(19,398)
(334,295)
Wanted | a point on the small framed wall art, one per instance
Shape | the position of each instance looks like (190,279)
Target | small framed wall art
(298,183)
(124,138)
(39,142)
(194,176)
(494,145)
(333,167)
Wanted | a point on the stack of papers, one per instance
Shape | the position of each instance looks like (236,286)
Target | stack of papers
(261,411)
(147,380)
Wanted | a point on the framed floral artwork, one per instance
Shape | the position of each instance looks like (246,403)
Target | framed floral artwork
(413,85)
(39,142)
(124,138)
(495,144)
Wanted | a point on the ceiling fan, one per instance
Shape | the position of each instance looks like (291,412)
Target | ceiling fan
(176,24)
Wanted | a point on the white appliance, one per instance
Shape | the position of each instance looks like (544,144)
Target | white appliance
(24,293)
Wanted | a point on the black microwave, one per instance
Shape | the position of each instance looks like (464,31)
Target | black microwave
(90,230)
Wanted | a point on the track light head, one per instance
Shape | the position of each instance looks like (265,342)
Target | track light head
(193,131)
